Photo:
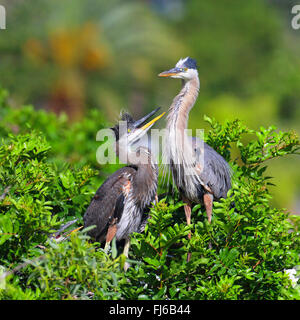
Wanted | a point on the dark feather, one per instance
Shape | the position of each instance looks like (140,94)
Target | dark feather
(216,173)
(190,63)
(119,207)
(125,117)
(106,203)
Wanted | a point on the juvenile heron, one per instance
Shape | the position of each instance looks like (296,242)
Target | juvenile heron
(117,208)
(198,182)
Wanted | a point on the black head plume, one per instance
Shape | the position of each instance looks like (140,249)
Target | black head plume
(124,117)
(190,63)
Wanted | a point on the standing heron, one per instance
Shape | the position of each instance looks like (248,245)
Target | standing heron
(118,206)
(197,182)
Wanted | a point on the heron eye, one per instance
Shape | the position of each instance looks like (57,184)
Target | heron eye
(185,69)
(128,130)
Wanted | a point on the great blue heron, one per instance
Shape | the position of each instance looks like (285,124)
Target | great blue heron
(118,206)
(197,181)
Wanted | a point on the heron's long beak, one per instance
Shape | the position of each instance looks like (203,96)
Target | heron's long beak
(74,231)
(148,125)
(138,133)
(169,73)
(141,121)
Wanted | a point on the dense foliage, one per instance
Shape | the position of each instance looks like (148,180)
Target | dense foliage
(48,175)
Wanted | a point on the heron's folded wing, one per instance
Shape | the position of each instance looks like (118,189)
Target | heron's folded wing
(215,171)
(108,202)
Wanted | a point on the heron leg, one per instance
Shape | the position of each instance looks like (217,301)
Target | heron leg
(111,232)
(125,252)
(188,214)
(106,248)
(208,199)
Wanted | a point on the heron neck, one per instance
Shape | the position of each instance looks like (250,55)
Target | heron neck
(182,104)
(145,180)
(179,151)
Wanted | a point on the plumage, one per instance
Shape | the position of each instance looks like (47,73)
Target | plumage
(104,205)
(216,173)
(187,63)
(215,176)
(200,173)
(118,206)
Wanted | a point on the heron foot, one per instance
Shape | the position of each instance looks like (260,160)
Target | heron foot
(125,252)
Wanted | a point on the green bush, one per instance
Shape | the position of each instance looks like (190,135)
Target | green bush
(73,269)
(242,254)
(38,197)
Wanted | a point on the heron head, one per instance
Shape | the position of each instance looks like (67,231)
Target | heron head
(185,69)
(129,131)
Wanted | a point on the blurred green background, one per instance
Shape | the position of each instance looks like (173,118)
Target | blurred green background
(72,56)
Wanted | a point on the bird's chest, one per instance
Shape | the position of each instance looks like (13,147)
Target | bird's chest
(187,183)
(130,219)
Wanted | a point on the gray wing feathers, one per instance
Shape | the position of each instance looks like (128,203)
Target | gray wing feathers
(216,173)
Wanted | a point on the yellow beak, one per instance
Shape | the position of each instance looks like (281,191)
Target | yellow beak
(147,125)
(74,231)
(170,73)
